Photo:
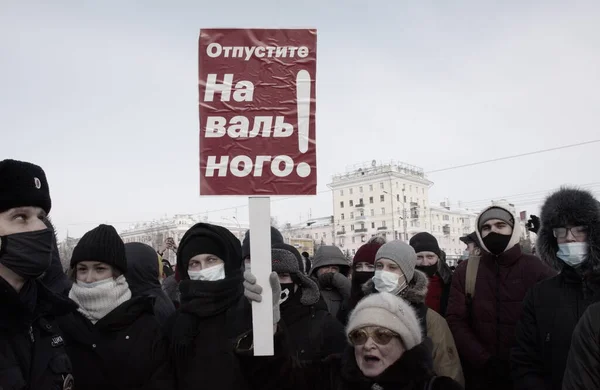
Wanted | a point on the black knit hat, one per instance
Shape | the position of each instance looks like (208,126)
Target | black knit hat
(425,242)
(23,184)
(276,238)
(102,244)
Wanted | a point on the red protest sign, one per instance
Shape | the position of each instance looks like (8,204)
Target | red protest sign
(257,112)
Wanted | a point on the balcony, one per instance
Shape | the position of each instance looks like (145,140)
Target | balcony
(360,231)
(382,228)
(341,233)
(446,229)
(360,206)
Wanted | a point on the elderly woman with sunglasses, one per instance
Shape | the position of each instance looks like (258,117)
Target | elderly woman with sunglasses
(385,351)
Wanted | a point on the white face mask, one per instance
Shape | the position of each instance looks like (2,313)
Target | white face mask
(386,281)
(572,253)
(211,274)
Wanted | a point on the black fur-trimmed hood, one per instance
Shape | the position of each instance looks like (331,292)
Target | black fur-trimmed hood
(575,207)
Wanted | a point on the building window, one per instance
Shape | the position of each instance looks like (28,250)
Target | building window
(423,191)
(398,197)
(382,198)
(382,185)
(362,225)
(361,202)
(446,218)
(383,224)
(362,213)
(353,240)
(350,191)
(372,212)
(352,215)
(372,225)
(351,228)
(371,199)
(351,203)
(341,192)
(383,211)
(342,216)
(370,187)
(360,189)
(342,204)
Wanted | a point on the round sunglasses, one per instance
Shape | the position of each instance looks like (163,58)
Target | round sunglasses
(381,336)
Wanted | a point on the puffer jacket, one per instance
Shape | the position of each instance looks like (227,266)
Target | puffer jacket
(446,361)
(334,295)
(502,283)
(553,307)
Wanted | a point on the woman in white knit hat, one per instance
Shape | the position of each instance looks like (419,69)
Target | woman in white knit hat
(386,351)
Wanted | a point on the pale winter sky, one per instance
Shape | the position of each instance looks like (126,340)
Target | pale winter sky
(103,95)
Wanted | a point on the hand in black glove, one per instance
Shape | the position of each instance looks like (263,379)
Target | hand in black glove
(326,280)
(533,224)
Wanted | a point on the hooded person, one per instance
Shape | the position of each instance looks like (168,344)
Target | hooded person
(569,241)
(32,348)
(307,262)
(484,326)
(143,275)
(276,238)
(363,270)
(213,310)
(396,273)
(330,270)
(114,340)
(313,332)
(431,260)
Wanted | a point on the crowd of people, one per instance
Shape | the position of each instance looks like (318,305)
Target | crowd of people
(394,317)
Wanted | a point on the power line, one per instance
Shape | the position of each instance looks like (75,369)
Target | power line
(514,156)
(428,172)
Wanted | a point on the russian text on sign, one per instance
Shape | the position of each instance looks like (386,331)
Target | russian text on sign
(239,127)
(215,50)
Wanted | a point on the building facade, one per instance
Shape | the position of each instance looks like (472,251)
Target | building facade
(155,233)
(309,235)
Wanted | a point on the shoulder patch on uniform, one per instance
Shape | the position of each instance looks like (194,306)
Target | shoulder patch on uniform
(57,341)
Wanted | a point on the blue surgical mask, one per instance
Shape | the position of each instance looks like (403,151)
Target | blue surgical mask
(573,253)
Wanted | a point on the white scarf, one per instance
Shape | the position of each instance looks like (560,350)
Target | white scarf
(97,299)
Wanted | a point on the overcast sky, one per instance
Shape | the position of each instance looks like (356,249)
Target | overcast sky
(103,95)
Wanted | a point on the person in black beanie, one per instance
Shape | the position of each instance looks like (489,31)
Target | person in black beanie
(126,338)
(213,310)
(430,260)
(276,238)
(32,353)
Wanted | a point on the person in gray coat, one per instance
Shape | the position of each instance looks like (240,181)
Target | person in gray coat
(330,270)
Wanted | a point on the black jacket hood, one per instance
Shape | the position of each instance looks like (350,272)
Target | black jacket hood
(142,268)
(575,207)
(233,247)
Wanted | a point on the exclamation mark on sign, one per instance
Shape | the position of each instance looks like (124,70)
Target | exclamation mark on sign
(303,105)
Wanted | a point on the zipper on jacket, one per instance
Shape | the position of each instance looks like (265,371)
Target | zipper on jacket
(31,337)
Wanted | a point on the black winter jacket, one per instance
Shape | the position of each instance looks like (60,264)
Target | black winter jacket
(312,331)
(551,311)
(124,350)
(337,372)
(32,353)
(583,364)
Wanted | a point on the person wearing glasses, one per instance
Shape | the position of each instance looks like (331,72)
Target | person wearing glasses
(386,351)
(569,241)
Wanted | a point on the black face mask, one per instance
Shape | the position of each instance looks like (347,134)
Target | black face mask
(496,243)
(429,270)
(287,293)
(28,254)
(362,277)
